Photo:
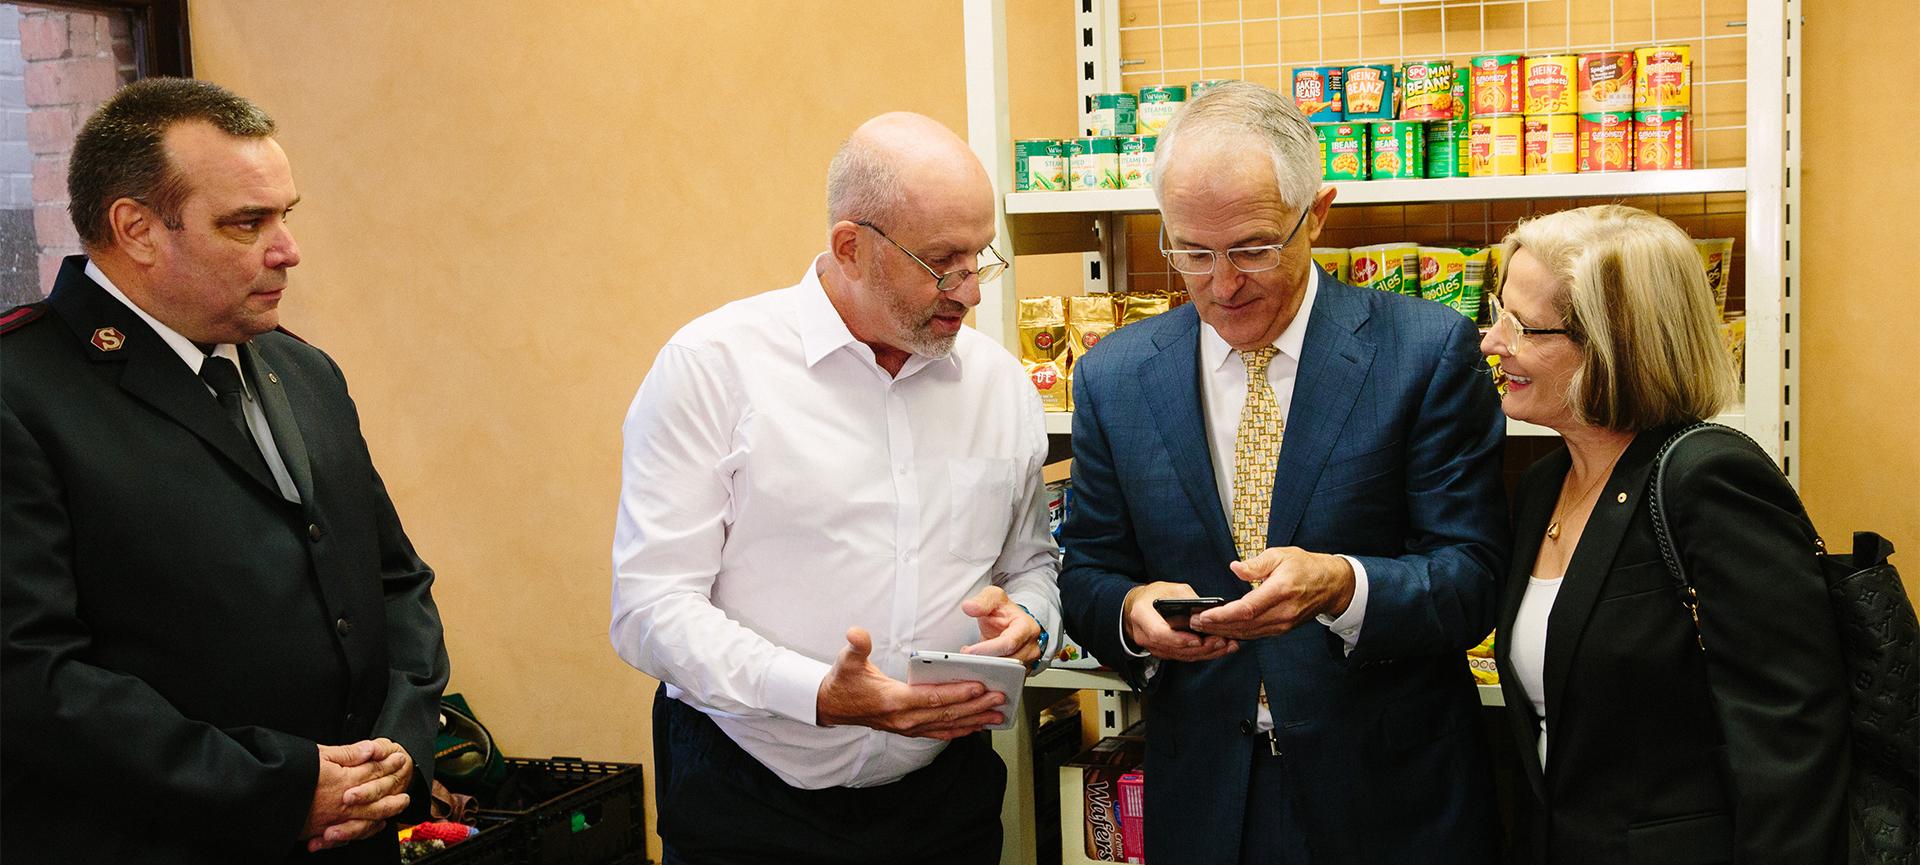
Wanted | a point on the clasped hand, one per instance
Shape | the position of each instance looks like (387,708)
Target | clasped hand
(361,787)
(856,692)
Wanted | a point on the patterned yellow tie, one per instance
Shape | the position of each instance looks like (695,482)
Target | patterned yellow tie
(1256,448)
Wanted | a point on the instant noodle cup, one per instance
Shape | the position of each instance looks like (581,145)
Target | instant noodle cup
(1399,149)
(1317,92)
(1551,84)
(1447,148)
(1552,144)
(1606,141)
(1136,162)
(1662,77)
(1090,317)
(1336,262)
(1443,275)
(1039,165)
(1369,93)
(1496,85)
(1660,140)
(1157,106)
(1094,163)
(1427,90)
(1606,81)
(1142,305)
(1381,266)
(1716,255)
(1344,147)
(1494,147)
(1112,114)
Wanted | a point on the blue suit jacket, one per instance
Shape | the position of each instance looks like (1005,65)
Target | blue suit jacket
(1392,455)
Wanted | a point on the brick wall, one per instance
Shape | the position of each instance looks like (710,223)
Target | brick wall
(19,270)
(73,61)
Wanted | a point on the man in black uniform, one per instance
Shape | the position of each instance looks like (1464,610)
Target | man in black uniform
(216,642)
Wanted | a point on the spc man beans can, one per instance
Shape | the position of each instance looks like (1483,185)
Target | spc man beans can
(1428,89)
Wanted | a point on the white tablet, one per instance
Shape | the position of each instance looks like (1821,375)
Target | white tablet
(1006,675)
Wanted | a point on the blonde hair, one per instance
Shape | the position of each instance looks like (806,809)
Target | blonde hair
(1634,293)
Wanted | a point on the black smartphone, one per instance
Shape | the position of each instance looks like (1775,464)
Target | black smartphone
(1176,610)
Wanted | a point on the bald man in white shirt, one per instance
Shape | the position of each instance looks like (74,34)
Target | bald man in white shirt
(815,481)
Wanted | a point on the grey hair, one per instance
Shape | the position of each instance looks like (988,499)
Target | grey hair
(1243,109)
(863,184)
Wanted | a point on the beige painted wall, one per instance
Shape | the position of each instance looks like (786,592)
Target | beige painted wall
(509,207)
(1860,406)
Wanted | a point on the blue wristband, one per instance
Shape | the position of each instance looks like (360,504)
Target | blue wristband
(1043,634)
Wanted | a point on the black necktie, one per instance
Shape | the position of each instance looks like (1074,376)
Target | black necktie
(221,375)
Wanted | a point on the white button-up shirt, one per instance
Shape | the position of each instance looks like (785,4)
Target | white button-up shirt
(779,486)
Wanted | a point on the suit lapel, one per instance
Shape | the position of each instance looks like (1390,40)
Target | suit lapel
(280,418)
(1170,381)
(1534,507)
(1593,559)
(151,371)
(1333,366)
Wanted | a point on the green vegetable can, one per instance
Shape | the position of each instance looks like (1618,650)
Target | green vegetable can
(1039,165)
(1136,162)
(1157,106)
(1343,150)
(1112,114)
(1094,163)
(1399,149)
(1447,149)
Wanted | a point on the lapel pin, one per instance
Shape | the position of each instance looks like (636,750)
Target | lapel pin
(109,339)
(1622,498)
(273,377)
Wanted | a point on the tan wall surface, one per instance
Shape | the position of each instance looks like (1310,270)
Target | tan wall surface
(510,207)
(1860,463)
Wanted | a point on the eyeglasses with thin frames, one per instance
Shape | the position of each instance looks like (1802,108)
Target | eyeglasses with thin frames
(952,279)
(1246,259)
(1517,333)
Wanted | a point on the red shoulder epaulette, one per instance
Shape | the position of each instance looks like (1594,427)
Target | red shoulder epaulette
(296,337)
(21,316)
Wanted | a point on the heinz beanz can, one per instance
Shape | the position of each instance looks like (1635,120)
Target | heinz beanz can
(1496,85)
(1551,84)
(1428,91)
(1552,144)
(1494,147)
(1661,78)
(1606,141)
(1399,149)
(1039,165)
(1136,162)
(1157,106)
(1112,114)
(1317,93)
(1447,148)
(1094,163)
(1660,140)
(1345,148)
(1369,93)
(1606,81)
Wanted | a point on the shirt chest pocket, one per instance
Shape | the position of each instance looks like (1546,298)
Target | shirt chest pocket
(982,507)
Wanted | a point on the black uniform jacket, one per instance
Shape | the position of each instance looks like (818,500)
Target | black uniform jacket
(1656,751)
(175,636)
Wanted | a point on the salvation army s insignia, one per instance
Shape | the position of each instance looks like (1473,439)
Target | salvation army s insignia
(109,339)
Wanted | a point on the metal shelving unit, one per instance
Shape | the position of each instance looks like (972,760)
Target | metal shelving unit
(1092,222)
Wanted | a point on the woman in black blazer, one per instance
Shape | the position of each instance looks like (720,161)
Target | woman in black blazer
(1636,746)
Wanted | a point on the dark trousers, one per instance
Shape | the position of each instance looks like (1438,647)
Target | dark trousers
(1272,833)
(720,806)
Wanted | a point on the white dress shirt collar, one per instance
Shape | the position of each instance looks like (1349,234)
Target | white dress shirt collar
(1215,352)
(181,345)
(823,331)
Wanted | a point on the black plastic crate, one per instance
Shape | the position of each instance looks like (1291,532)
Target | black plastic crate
(498,843)
(567,811)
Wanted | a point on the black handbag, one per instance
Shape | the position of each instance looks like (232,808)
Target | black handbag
(1880,645)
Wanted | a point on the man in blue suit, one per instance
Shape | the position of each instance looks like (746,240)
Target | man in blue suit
(1327,459)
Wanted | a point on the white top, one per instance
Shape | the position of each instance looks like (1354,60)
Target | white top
(1527,642)
(779,486)
(191,354)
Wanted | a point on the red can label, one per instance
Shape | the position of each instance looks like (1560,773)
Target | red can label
(1606,141)
(1496,85)
(1660,140)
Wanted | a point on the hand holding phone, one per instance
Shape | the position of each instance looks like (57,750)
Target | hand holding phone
(1177,610)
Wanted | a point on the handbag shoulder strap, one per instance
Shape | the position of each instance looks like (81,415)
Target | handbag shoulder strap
(1657,507)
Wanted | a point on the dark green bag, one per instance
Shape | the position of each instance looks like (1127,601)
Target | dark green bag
(465,757)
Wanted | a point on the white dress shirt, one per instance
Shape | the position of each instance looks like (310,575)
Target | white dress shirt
(779,486)
(1529,648)
(194,357)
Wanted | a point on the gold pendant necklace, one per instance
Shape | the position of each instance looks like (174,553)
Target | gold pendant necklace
(1553,528)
